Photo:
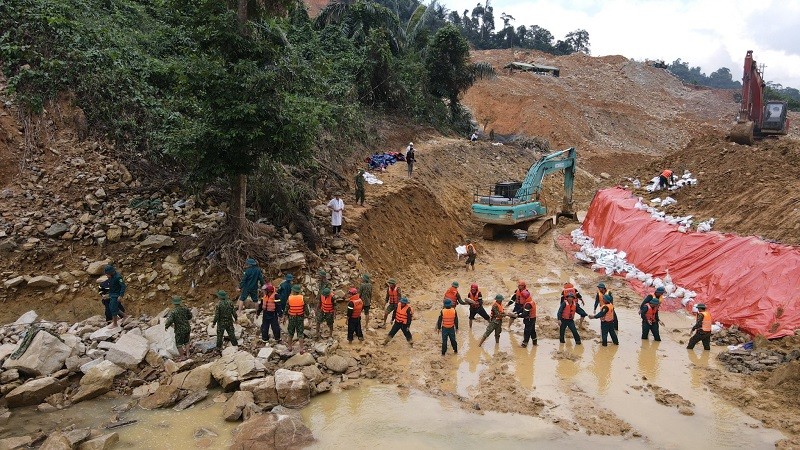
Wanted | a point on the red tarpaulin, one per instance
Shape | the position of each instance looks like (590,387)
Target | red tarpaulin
(744,281)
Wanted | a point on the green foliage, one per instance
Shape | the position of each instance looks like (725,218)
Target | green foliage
(447,63)
(721,78)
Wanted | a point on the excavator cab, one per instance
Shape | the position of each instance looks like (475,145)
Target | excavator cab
(774,117)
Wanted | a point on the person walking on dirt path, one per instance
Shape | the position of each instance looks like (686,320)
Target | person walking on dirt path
(296,314)
(270,306)
(365,292)
(447,324)
(224,317)
(284,290)
(411,158)
(360,187)
(606,316)
(336,205)
(570,288)
(649,313)
(252,279)
(703,327)
(529,321)
(116,289)
(471,254)
(518,298)
(665,179)
(393,295)
(452,294)
(657,295)
(566,315)
(402,322)
(325,311)
(180,318)
(495,324)
(475,300)
(599,301)
(354,308)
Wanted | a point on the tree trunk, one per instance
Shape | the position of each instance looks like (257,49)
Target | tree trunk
(238,205)
(241,12)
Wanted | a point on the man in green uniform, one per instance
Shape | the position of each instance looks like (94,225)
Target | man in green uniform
(360,187)
(224,316)
(365,292)
(322,282)
(284,289)
(252,280)
(297,310)
(116,289)
(495,320)
(180,317)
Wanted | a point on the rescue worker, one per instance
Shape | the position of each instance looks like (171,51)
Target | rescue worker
(569,287)
(703,327)
(270,306)
(566,315)
(180,317)
(518,301)
(529,321)
(649,313)
(495,321)
(325,311)
(360,187)
(606,316)
(665,179)
(402,321)
(252,278)
(448,325)
(116,289)
(452,294)
(365,292)
(598,301)
(284,290)
(103,289)
(411,158)
(475,300)
(296,313)
(658,295)
(393,295)
(471,254)
(354,308)
(224,317)
(323,281)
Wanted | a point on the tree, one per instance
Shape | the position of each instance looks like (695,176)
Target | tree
(447,64)
(578,40)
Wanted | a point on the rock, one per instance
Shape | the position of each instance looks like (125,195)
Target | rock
(5,350)
(13,282)
(27,318)
(191,399)
(77,436)
(263,390)
(312,373)
(162,340)
(290,261)
(88,366)
(34,392)
(100,193)
(55,230)
(128,351)
(605,175)
(172,267)
(45,355)
(74,363)
(105,333)
(56,441)
(15,442)
(103,442)
(145,390)
(97,381)
(337,364)
(300,359)
(9,376)
(197,378)
(157,241)
(337,244)
(231,369)
(77,347)
(42,281)
(685,410)
(204,346)
(279,432)
(191,254)
(114,233)
(97,267)
(293,389)
(233,408)
(164,397)
(265,353)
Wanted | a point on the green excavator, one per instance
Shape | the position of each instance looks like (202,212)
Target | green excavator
(513,205)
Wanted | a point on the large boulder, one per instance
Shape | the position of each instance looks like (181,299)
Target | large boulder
(157,241)
(162,340)
(191,399)
(337,364)
(97,381)
(128,351)
(293,389)
(271,431)
(195,379)
(15,442)
(233,368)
(34,392)
(105,333)
(97,267)
(263,389)
(56,441)
(42,281)
(5,350)
(232,411)
(45,355)
(164,397)
(74,343)
(27,318)
(103,442)
(300,359)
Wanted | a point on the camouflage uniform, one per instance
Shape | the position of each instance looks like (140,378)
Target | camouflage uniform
(180,317)
(360,188)
(495,324)
(224,317)
(365,292)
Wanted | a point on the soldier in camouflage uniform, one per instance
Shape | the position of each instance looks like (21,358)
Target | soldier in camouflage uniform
(496,320)
(360,187)
(322,282)
(296,311)
(224,317)
(180,317)
(365,292)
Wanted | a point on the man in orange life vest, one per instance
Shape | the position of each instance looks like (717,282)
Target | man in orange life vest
(325,311)
(569,287)
(448,325)
(566,314)
(272,313)
(401,317)
(529,320)
(518,298)
(496,322)
(452,294)
(475,300)
(393,295)
(296,313)
(606,316)
(703,327)
(354,308)
(665,179)
(658,295)
(649,313)
(598,301)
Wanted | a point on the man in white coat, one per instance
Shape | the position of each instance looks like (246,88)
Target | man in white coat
(336,205)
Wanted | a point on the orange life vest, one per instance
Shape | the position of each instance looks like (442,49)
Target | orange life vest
(448,318)
(569,310)
(706,320)
(600,298)
(296,305)
(609,317)
(666,173)
(268,302)
(569,289)
(326,303)
(474,298)
(358,305)
(394,295)
(532,312)
(450,294)
(401,313)
(650,315)
(518,296)
(499,306)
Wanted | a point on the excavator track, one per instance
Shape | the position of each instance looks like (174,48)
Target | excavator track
(538,228)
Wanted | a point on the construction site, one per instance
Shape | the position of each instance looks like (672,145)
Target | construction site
(69,207)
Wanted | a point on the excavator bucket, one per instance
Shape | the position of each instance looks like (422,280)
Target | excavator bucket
(566,217)
(539,228)
(742,133)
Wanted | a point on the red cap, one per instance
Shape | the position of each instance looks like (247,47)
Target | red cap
(352,291)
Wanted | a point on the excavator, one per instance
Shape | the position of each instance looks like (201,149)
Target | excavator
(515,205)
(757,117)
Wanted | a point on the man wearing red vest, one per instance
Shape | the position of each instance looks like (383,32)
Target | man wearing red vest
(649,313)
(665,179)
(448,325)
(296,312)
(606,316)
(598,301)
(452,294)
(354,308)
(325,311)
(569,287)
(270,305)
(401,317)
(566,314)
(518,298)
(475,300)
(393,296)
(703,327)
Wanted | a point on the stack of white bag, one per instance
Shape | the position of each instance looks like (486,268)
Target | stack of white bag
(682,222)
(685,180)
